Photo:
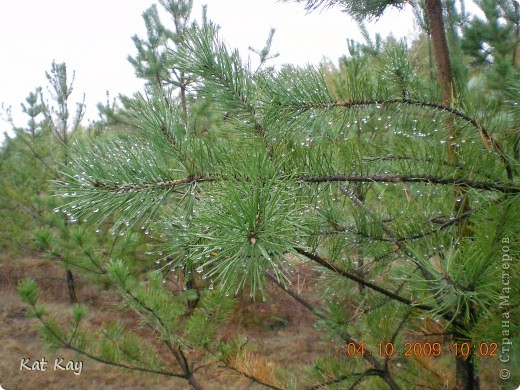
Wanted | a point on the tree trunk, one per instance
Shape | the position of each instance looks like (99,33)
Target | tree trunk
(465,373)
(194,383)
(71,287)
(516,51)
(440,49)
(465,369)
(447,84)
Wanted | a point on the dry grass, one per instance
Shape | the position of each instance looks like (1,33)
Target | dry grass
(20,339)
(277,329)
(280,333)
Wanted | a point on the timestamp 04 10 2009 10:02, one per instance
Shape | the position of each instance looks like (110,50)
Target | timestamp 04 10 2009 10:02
(414,349)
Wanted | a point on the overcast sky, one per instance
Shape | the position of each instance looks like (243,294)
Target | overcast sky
(94,39)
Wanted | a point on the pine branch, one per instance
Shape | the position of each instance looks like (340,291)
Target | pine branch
(175,145)
(358,9)
(497,186)
(346,337)
(361,376)
(444,225)
(37,155)
(68,345)
(395,334)
(389,178)
(147,309)
(326,264)
(240,369)
(101,270)
(382,372)
(252,378)
(175,349)
(121,189)
(129,354)
(58,256)
(397,239)
(426,274)
(487,138)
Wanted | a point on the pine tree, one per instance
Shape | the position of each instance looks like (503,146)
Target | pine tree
(278,180)
(26,166)
(494,43)
(33,109)
(34,157)
(153,62)
(355,177)
(58,117)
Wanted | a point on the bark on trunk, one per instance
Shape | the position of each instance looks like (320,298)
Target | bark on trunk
(440,49)
(447,84)
(194,383)
(465,373)
(465,369)
(71,287)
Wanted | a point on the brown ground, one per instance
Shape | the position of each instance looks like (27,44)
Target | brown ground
(278,329)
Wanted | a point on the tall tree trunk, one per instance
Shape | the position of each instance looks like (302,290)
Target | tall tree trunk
(516,51)
(447,85)
(465,369)
(440,49)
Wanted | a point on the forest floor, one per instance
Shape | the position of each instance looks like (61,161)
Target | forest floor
(279,330)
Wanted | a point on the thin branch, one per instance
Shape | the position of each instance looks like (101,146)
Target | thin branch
(496,186)
(325,263)
(393,237)
(347,338)
(148,186)
(59,257)
(390,178)
(175,349)
(89,255)
(129,354)
(253,379)
(37,155)
(361,376)
(394,336)
(484,133)
(67,345)
(175,145)
(335,380)
(434,231)
(426,274)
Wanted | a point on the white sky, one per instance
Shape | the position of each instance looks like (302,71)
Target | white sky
(94,39)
